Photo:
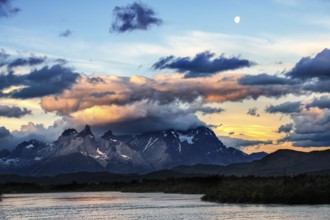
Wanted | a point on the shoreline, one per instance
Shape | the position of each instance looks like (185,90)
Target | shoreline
(302,189)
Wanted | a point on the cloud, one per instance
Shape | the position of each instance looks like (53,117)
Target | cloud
(317,67)
(138,117)
(253,112)
(3,56)
(286,108)
(30,61)
(40,82)
(205,110)
(13,112)
(264,79)
(285,128)
(312,73)
(312,121)
(202,65)
(165,89)
(214,126)
(241,143)
(7,141)
(93,80)
(125,102)
(11,61)
(321,86)
(102,94)
(4,132)
(10,79)
(39,131)
(199,106)
(136,16)
(322,102)
(29,131)
(311,128)
(65,33)
(6,9)
(309,140)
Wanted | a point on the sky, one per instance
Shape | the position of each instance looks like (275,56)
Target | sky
(140,66)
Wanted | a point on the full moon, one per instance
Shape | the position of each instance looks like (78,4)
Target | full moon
(237,19)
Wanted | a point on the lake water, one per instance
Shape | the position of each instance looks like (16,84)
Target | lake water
(115,205)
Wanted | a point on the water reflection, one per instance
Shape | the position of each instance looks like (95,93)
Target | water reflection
(114,205)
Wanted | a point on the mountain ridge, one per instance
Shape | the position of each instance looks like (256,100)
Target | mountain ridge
(282,162)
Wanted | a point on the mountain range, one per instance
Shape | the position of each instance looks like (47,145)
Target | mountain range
(81,151)
(279,163)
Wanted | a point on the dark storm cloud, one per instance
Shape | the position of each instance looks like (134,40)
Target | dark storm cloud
(310,74)
(4,132)
(65,33)
(321,86)
(46,81)
(6,9)
(10,79)
(136,16)
(202,65)
(10,61)
(253,112)
(311,129)
(317,67)
(285,128)
(322,102)
(13,112)
(30,61)
(286,108)
(155,117)
(318,139)
(241,143)
(264,79)
(39,82)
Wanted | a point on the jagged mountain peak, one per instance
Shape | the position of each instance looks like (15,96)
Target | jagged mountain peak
(86,131)
(69,132)
(203,129)
(30,144)
(107,135)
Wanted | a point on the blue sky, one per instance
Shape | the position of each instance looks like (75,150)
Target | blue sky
(36,28)
(273,36)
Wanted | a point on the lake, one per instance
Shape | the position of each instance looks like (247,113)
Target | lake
(116,205)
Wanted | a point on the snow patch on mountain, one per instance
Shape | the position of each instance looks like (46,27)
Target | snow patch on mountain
(150,143)
(11,161)
(188,138)
(30,146)
(124,156)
